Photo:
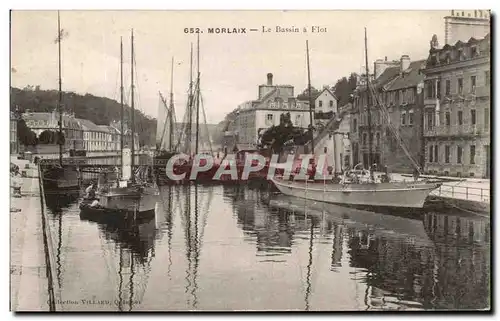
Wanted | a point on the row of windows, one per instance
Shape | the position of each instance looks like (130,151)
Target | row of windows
(320,103)
(104,146)
(407,119)
(477,14)
(270,119)
(376,119)
(377,139)
(285,105)
(460,118)
(402,96)
(434,154)
(434,90)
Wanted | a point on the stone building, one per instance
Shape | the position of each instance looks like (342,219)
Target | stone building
(73,133)
(403,98)
(14,148)
(457,108)
(461,25)
(396,113)
(325,102)
(254,117)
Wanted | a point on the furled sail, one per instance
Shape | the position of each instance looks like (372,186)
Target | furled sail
(161,130)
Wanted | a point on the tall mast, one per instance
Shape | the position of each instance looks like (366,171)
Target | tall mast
(132,118)
(310,98)
(171,109)
(198,95)
(59,102)
(121,104)
(368,108)
(190,103)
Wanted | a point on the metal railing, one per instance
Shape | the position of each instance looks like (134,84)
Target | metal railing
(464,192)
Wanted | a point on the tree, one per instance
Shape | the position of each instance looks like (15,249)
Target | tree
(276,137)
(344,88)
(99,110)
(47,137)
(305,94)
(25,135)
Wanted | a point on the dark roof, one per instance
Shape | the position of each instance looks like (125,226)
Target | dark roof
(327,89)
(460,43)
(383,79)
(267,95)
(89,125)
(451,54)
(51,119)
(411,77)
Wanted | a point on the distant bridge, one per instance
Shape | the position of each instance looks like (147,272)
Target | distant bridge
(84,162)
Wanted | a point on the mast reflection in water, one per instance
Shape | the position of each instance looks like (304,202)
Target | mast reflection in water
(240,248)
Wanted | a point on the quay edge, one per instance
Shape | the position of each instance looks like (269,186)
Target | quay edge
(53,285)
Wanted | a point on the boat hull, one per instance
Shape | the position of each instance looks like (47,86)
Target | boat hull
(60,178)
(129,199)
(382,224)
(399,195)
(101,214)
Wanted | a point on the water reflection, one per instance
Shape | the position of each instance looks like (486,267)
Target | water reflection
(437,262)
(280,252)
(274,233)
(194,220)
(57,204)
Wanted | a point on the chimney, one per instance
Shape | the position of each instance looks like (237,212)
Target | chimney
(385,58)
(269,79)
(405,62)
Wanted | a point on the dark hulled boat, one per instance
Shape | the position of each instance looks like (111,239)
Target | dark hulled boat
(57,176)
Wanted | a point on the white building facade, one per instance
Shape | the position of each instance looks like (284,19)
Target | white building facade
(254,117)
(326,102)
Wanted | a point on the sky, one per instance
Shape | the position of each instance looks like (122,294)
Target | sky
(231,65)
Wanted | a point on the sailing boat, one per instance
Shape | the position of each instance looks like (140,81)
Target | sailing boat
(193,109)
(57,176)
(354,191)
(164,142)
(128,192)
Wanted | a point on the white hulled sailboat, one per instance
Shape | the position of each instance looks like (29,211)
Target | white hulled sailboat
(353,190)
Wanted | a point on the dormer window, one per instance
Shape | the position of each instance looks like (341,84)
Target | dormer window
(447,59)
(434,59)
(473,52)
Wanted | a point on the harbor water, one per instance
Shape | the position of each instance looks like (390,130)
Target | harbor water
(214,247)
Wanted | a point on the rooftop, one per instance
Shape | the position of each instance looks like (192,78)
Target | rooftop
(461,51)
(88,125)
(383,79)
(411,77)
(51,119)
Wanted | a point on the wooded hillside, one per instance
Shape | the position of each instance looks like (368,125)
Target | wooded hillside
(99,110)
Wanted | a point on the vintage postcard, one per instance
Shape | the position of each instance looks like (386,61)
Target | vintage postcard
(250,160)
